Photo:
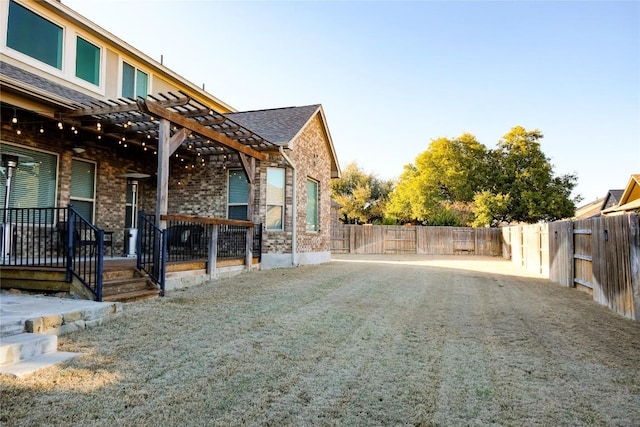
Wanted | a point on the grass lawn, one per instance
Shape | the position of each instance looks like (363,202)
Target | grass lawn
(361,341)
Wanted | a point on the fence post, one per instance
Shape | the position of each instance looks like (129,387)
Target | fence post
(352,239)
(213,252)
(634,262)
(571,251)
(249,248)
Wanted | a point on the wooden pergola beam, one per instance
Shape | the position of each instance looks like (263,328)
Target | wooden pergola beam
(158,110)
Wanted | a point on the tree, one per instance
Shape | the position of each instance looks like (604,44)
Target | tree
(522,172)
(449,172)
(362,196)
(490,209)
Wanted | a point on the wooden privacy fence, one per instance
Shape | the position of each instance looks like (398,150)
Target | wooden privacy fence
(599,255)
(397,239)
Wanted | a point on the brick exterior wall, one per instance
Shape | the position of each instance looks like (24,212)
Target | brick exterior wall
(199,190)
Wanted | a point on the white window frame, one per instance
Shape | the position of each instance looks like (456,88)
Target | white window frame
(135,82)
(68,71)
(229,172)
(316,222)
(282,204)
(55,196)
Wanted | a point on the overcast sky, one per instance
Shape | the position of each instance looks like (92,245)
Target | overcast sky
(392,76)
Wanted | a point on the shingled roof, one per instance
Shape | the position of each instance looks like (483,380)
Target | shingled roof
(278,125)
(26,77)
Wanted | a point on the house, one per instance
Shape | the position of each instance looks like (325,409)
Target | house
(90,121)
(629,200)
(589,210)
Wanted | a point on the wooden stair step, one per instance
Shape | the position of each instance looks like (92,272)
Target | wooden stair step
(125,285)
(132,296)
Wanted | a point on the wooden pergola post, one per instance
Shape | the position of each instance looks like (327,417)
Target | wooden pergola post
(162,186)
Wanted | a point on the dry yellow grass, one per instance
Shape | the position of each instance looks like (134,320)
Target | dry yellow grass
(360,341)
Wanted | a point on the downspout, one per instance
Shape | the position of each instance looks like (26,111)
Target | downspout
(294,211)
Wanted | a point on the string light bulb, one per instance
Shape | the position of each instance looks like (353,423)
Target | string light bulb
(60,125)
(41,129)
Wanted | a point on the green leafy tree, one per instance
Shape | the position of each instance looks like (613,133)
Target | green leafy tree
(490,209)
(449,171)
(362,196)
(525,174)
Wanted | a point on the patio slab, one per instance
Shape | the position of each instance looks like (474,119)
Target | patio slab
(49,315)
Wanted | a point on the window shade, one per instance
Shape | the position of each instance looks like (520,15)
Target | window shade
(238,187)
(82,179)
(34,180)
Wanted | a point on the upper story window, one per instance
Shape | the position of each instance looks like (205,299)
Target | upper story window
(34,36)
(134,82)
(87,61)
(238,200)
(275,198)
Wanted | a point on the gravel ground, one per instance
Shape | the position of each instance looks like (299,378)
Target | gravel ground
(375,340)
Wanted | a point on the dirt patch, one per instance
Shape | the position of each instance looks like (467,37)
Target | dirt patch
(392,340)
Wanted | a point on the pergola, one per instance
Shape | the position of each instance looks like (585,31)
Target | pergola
(170,123)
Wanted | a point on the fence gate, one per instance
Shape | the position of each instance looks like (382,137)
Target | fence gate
(464,242)
(582,253)
(399,240)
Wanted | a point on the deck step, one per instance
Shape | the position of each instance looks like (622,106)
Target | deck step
(132,296)
(113,287)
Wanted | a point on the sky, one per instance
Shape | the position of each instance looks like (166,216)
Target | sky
(392,76)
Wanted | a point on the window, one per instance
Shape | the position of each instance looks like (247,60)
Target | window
(238,199)
(134,82)
(33,35)
(34,180)
(87,61)
(312,205)
(275,198)
(83,178)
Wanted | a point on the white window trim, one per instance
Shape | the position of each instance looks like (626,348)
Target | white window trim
(121,61)
(317,230)
(284,193)
(95,183)
(68,71)
(55,196)
(227,193)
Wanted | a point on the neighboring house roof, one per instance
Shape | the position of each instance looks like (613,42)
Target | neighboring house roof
(589,210)
(282,125)
(611,199)
(630,199)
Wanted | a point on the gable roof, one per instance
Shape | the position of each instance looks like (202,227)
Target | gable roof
(589,210)
(278,125)
(630,199)
(281,126)
(611,199)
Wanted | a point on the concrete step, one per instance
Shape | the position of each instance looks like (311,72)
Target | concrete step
(132,296)
(25,367)
(17,348)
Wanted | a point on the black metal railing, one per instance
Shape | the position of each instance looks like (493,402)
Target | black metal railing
(151,249)
(189,239)
(85,252)
(55,238)
(31,237)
